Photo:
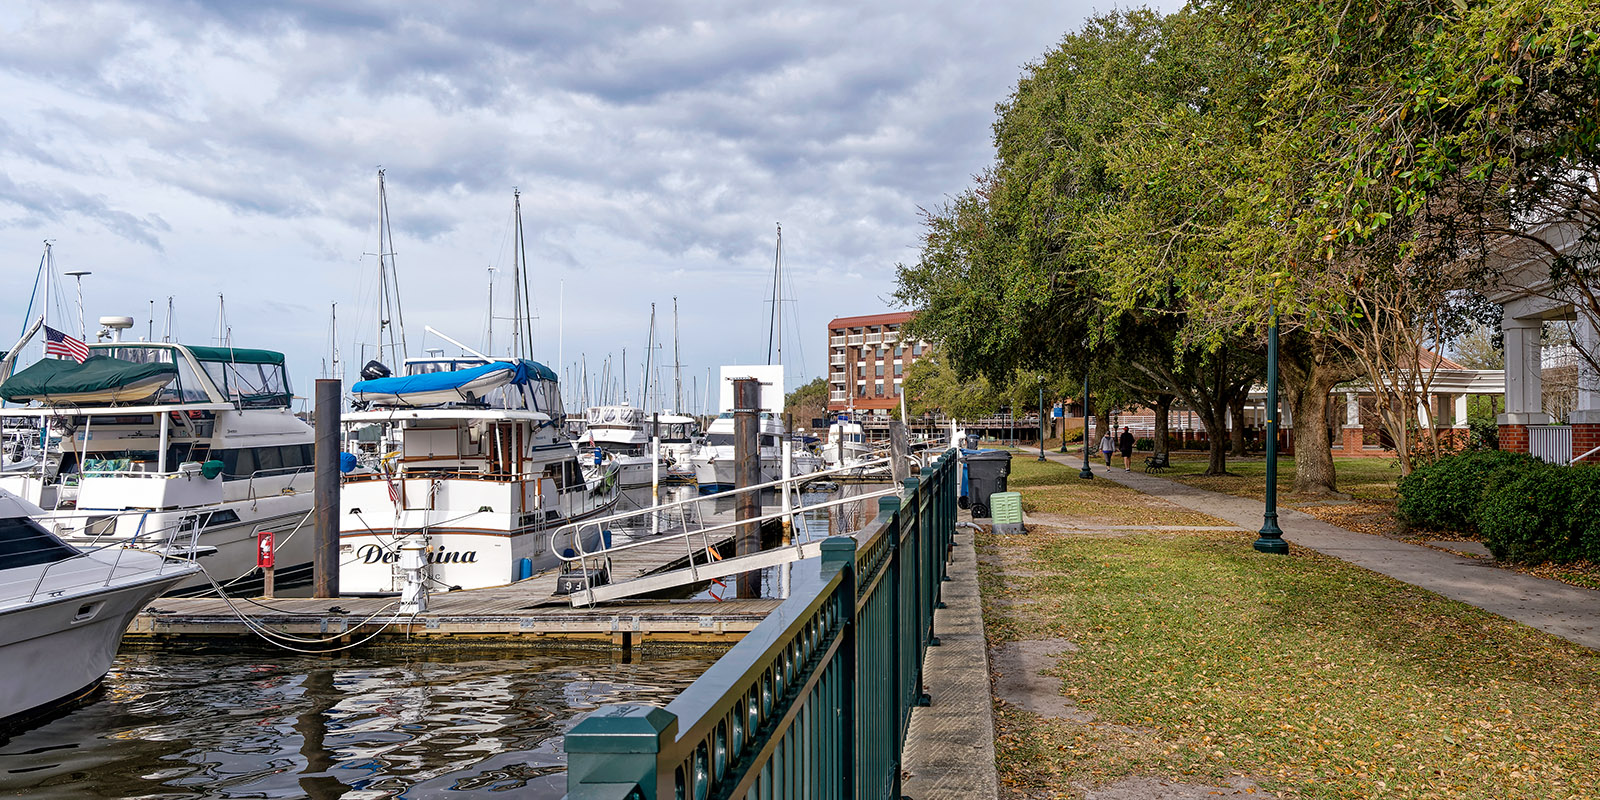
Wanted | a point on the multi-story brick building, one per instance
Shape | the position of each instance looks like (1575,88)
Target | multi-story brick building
(867,360)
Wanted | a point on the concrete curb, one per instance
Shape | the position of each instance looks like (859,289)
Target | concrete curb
(949,750)
(1570,612)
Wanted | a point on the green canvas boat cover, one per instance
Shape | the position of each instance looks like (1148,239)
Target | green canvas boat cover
(60,377)
(235,355)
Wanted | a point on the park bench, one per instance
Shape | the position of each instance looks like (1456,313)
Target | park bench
(1156,462)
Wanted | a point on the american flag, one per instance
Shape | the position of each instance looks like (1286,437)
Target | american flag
(394,490)
(57,343)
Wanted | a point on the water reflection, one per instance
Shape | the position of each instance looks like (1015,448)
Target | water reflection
(224,724)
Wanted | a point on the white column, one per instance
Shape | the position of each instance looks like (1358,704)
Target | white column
(1352,410)
(1461,410)
(1587,336)
(1524,383)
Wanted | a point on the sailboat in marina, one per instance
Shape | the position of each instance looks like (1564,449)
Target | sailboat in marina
(646,445)
(484,469)
(714,461)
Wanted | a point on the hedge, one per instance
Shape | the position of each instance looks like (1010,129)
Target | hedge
(1546,514)
(1450,492)
(1525,510)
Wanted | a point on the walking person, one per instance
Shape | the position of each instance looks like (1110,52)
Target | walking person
(1108,445)
(1125,444)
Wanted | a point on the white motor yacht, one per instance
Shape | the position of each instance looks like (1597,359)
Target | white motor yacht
(714,460)
(63,611)
(846,444)
(622,434)
(484,472)
(159,438)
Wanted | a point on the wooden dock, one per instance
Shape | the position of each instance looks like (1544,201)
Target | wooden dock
(503,614)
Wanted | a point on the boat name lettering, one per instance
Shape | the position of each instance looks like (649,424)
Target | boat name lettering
(373,554)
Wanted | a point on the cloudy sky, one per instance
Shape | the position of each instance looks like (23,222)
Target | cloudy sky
(191,149)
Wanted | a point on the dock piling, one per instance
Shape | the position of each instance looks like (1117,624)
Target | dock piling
(747,472)
(325,552)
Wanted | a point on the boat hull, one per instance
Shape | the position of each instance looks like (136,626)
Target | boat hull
(55,652)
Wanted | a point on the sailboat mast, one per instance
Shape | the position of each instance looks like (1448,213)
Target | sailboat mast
(391,320)
(649,357)
(333,336)
(49,267)
(677,365)
(489,346)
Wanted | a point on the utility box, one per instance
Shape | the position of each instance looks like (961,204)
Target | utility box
(1007,510)
(986,475)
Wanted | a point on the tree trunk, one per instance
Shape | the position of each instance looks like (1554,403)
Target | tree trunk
(1163,411)
(1216,424)
(1313,449)
(1236,410)
(1102,424)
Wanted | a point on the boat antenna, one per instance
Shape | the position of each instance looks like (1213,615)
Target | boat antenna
(150,327)
(166,333)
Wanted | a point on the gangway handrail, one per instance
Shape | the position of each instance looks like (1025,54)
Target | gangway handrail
(656,509)
(704,533)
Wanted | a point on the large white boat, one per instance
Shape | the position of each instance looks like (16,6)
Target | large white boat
(622,434)
(63,611)
(484,472)
(846,444)
(714,460)
(158,438)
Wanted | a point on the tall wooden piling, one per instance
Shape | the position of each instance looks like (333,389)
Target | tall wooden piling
(899,451)
(747,472)
(325,548)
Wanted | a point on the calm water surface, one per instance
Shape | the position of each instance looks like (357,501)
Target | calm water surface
(384,724)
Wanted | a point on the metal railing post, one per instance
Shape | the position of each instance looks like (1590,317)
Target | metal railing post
(839,552)
(614,753)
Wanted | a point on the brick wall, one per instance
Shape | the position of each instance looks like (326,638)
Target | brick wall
(1585,437)
(1514,438)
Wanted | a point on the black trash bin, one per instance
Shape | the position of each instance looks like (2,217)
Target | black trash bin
(986,474)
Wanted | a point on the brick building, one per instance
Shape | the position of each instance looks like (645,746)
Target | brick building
(867,360)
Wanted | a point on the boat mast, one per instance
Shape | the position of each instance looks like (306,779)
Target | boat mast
(649,357)
(49,264)
(522,312)
(333,338)
(775,318)
(677,365)
(391,320)
(489,346)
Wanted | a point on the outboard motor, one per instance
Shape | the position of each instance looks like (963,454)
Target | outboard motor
(374,370)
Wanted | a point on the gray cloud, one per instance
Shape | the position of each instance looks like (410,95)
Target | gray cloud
(655,145)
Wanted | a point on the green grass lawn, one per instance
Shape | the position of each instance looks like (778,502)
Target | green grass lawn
(1203,658)
(1364,478)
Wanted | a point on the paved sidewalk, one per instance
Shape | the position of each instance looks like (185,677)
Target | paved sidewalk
(1571,612)
(949,751)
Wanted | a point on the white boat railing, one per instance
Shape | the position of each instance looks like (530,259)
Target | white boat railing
(105,573)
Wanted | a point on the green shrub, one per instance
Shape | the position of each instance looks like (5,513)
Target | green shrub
(1547,514)
(1144,443)
(1450,492)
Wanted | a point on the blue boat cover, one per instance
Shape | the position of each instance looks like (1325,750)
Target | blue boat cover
(523,371)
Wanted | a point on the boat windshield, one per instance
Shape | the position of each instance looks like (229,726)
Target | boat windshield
(23,543)
(187,388)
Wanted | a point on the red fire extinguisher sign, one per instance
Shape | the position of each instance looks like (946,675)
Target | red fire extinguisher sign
(264,549)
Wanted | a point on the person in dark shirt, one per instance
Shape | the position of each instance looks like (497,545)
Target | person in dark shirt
(1125,444)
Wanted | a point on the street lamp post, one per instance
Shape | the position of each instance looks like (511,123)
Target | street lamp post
(1041,417)
(1085,472)
(1271,538)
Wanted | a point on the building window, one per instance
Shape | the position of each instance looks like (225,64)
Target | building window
(899,351)
(879,368)
(861,371)
(899,369)
(877,389)
(861,390)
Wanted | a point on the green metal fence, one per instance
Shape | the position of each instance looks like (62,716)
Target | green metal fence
(814,702)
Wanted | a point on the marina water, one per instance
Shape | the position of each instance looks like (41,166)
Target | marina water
(376,724)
